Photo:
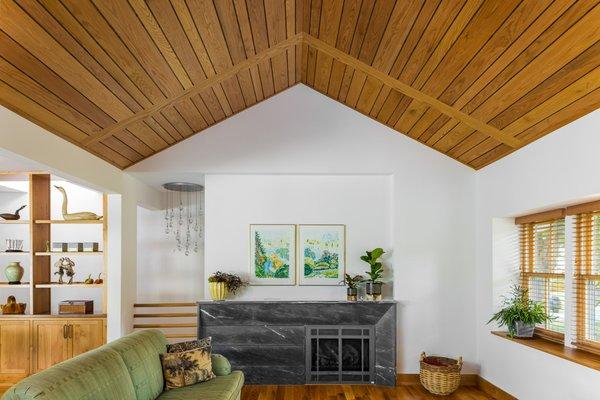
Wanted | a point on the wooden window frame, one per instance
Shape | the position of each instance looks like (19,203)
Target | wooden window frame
(582,273)
(527,261)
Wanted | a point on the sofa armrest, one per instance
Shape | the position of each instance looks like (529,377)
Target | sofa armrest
(220,365)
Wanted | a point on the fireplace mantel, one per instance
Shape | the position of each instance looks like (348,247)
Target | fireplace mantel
(266,339)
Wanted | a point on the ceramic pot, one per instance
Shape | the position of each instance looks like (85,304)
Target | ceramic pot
(14,272)
(218,290)
(351,294)
(374,291)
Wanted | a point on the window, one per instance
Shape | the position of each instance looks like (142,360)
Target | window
(586,280)
(542,270)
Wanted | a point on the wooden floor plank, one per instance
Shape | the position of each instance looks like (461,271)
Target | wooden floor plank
(353,392)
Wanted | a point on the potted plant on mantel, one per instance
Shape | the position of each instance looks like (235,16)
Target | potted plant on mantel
(221,284)
(520,314)
(374,283)
(352,284)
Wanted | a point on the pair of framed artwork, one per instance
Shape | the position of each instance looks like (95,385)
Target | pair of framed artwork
(303,254)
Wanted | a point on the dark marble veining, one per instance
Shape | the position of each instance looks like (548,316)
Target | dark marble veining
(266,339)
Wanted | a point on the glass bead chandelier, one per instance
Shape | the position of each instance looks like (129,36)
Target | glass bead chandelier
(183,215)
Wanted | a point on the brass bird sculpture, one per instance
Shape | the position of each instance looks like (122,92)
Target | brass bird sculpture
(84,215)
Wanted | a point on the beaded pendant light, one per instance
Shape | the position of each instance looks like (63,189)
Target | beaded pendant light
(183,215)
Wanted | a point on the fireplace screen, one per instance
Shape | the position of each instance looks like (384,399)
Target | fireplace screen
(339,354)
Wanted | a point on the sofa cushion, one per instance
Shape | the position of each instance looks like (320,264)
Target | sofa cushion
(141,353)
(187,367)
(99,374)
(220,388)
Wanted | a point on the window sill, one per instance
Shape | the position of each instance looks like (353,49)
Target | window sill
(577,356)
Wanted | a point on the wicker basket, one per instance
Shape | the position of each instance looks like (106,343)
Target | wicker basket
(440,375)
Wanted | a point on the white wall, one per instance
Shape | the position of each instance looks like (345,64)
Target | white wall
(545,174)
(300,132)
(362,203)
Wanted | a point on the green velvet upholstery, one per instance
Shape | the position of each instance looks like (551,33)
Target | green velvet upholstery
(220,365)
(126,369)
(141,353)
(99,374)
(226,387)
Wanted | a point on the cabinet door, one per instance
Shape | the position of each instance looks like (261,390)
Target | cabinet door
(85,335)
(15,345)
(50,343)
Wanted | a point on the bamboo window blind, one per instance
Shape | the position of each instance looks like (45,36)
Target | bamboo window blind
(586,280)
(542,270)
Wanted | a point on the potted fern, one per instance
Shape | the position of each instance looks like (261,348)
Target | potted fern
(352,283)
(520,314)
(374,283)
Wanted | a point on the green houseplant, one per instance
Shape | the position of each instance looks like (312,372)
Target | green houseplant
(352,282)
(375,273)
(520,314)
(221,284)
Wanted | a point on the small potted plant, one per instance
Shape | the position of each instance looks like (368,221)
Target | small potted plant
(375,273)
(221,284)
(520,314)
(352,282)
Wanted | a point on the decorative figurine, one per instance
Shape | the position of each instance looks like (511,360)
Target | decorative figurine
(89,280)
(12,217)
(99,281)
(12,307)
(84,215)
(14,245)
(65,265)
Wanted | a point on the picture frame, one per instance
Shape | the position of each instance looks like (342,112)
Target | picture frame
(272,255)
(321,254)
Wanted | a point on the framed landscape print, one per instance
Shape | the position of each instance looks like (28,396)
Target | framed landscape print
(322,254)
(272,254)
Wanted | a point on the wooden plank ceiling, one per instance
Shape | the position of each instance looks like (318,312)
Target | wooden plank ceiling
(472,79)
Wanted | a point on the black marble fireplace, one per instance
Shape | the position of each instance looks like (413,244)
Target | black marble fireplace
(298,342)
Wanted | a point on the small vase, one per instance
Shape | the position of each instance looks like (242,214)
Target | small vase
(351,294)
(218,290)
(14,272)
(373,291)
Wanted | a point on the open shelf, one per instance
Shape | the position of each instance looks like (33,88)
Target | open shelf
(15,222)
(68,285)
(75,221)
(69,253)
(21,285)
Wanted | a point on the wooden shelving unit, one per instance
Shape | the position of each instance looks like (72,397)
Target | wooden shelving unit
(69,253)
(23,285)
(40,267)
(69,285)
(72,222)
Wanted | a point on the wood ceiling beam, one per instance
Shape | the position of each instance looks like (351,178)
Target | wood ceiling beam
(211,81)
(411,92)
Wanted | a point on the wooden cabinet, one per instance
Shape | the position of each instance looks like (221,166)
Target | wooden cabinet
(50,343)
(14,348)
(85,335)
(56,340)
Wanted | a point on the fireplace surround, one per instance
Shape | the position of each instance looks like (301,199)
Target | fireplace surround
(299,342)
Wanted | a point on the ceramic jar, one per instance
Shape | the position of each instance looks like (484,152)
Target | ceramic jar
(14,272)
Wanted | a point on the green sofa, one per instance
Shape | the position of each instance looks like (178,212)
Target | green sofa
(128,368)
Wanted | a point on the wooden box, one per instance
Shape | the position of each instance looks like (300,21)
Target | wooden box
(76,307)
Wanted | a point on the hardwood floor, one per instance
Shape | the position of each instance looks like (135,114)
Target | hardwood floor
(353,392)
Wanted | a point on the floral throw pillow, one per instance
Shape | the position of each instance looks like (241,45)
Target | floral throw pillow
(187,367)
(189,345)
